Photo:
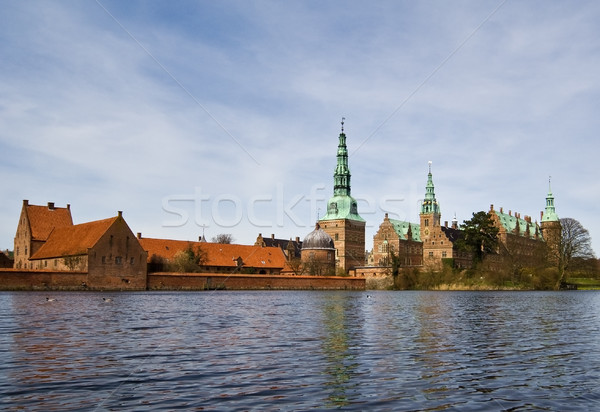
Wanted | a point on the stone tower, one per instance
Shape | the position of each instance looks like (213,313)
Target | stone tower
(550,227)
(342,221)
(431,230)
(430,209)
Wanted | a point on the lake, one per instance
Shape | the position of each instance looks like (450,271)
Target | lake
(296,350)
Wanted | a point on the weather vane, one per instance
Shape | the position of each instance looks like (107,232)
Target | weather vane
(343,118)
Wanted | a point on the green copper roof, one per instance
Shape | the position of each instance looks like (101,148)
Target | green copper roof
(550,212)
(401,228)
(342,205)
(341,176)
(430,204)
(510,222)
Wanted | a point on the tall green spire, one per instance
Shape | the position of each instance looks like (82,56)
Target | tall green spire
(342,205)
(341,177)
(550,212)
(430,204)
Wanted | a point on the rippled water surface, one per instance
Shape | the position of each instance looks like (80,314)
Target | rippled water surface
(300,350)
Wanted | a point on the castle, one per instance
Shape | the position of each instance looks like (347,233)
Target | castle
(110,255)
(429,243)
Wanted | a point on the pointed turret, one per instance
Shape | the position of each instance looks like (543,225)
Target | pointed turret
(341,177)
(342,205)
(430,204)
(550,227)
(550,211)
(430,209)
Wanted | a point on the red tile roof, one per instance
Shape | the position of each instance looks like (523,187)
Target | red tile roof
(73,240)
(218,254)
(42,220)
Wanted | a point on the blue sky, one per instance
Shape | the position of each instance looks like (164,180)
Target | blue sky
(223,117)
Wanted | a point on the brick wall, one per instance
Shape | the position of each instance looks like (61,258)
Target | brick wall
(15,279)
(203,281)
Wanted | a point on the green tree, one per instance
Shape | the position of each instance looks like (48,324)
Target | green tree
(480,236)
(189,260)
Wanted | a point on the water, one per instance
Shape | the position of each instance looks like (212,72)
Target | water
(300,350)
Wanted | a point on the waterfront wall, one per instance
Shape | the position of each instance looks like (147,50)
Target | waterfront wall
(205,281)
(19,279)
(16,279)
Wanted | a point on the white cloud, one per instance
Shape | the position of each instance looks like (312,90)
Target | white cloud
(250,103)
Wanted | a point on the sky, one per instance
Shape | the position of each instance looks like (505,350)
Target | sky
(201,117)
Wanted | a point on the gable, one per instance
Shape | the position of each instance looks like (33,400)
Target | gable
(401,228)
(42,219)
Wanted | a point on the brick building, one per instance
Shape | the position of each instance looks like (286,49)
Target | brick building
(106,249)
(291,248)
(218,257)
(35,225)
(400,238)
(318,253)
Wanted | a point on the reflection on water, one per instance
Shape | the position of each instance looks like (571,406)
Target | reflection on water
(339,320)
(301,350)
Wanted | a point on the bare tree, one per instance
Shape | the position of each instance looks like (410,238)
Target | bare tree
(575,243)
(225,238)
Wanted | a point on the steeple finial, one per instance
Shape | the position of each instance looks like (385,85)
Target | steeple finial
(343,118)
(430,166)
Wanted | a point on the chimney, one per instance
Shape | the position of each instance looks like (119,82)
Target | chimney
(386,216)
(541,215)
(492,207)
(273,236)
(139,235)
(501,209)
(51,205)
(25,202)
(510,212)
(297,239)
(445,223)
(120,212)
(68,206)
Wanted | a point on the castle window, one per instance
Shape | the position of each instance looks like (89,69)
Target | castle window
(17,251)
(444,254)
(103,259)
(25,250)
(430,254)
(118,260)
(45,263)
(337,236)
(131,261)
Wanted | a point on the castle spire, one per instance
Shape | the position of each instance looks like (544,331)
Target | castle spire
(341,176)
(430,204)
(550,211)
